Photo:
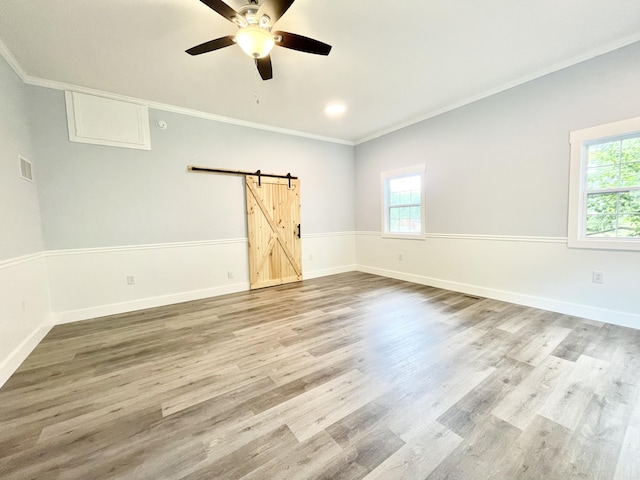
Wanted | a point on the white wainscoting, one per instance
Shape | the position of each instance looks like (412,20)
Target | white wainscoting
(328,254)
(24,310)
(90,283)
(540,272)
(70,285)
(56,287)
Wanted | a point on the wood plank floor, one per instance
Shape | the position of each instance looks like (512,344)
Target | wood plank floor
(345,377)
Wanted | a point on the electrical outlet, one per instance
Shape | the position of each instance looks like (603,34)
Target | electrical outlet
(131,280)
(310,257)
(597,277)
(229,274)
(400,257)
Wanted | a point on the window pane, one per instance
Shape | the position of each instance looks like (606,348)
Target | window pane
(404,191)
(631,150)
(604,153)
(601,225)
(630,174)
(602,203)
(404,183)
(613,214)
(629,225)
(630,202)
(603,177)
(404,220)
(395,185)
(396,213)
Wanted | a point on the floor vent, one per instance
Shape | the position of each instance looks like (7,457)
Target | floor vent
(26,170)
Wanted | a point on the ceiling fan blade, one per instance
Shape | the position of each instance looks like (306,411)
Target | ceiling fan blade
(222,8)
(264,67)
(274,9)
(212,45)
(302,44)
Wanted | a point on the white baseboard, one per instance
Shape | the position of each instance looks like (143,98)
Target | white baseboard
(328,271)
(10,364)
(623,319)
(124,307)
(91,283)
(141,304)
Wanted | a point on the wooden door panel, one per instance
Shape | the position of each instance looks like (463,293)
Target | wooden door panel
(273,216)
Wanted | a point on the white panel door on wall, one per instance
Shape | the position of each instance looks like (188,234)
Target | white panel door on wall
(105,121)
(273,225)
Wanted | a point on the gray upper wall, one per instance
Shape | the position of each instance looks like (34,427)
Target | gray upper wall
(97,196)
(20,232)
(500,166)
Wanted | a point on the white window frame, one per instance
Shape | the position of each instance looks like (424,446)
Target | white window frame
(580,141)
(385,177)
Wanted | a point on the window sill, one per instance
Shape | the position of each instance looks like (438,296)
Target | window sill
(604,244)
(405,236)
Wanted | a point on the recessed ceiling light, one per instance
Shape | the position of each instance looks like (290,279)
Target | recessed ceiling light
(335,109)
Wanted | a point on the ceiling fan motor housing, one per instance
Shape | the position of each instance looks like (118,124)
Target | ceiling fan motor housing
(255,41)
(254,36)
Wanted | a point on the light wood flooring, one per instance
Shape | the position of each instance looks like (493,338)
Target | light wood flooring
(345,377)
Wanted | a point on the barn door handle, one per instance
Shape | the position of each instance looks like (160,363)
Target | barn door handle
(299,230)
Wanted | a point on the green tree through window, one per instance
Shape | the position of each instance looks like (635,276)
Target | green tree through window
(404,205)
(613,188)
(403,202)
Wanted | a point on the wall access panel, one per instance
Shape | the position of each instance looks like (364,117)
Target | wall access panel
(105,121)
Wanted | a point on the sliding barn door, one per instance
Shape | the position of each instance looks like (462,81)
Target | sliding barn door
(273,224)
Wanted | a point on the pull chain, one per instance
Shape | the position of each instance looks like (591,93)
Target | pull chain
(255,91)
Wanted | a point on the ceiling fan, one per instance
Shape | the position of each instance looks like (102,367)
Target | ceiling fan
(255,36)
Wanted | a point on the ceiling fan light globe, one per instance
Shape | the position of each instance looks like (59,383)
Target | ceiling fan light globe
(255,41)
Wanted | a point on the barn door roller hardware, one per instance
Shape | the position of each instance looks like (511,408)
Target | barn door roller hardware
(288,176)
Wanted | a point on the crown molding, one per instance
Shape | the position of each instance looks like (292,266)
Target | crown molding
(11,60)
(55,85)
(610,47)
(40,82)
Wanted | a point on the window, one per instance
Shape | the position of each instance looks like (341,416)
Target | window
(403,202)
(604,209)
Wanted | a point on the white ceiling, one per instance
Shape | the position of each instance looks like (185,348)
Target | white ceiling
(393,62)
